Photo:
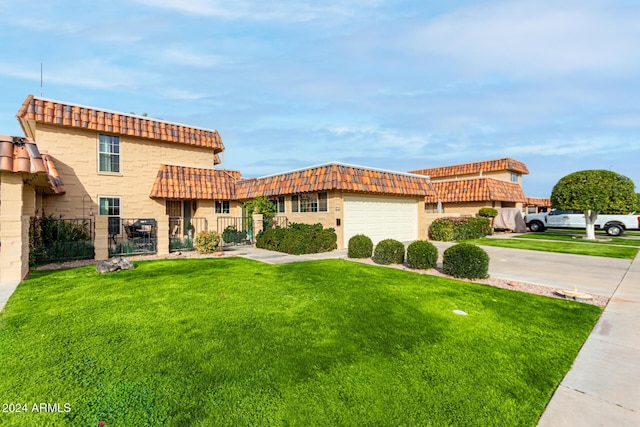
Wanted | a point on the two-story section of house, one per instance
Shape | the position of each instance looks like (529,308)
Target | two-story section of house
(109,162)
(467,187)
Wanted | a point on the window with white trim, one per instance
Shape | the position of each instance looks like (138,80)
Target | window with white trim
(309,202)
(222,207)
(108,153)
(278,204)
(110,206)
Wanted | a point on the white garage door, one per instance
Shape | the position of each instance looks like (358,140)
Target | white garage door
(380,218)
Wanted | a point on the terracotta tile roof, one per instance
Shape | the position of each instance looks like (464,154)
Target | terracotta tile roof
(336,176)
(505,164)
(477,190)
(539,201)
(41,110)
(178,182)
(21,155)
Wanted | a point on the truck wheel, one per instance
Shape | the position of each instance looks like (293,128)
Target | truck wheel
(536,226)
(614,230)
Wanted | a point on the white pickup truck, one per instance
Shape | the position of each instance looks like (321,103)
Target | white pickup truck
(614,225)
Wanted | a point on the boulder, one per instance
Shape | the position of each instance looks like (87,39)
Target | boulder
(114,264)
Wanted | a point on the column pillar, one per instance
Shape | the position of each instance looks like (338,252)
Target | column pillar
(14,229)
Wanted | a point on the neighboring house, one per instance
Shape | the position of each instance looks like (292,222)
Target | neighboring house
(26,176)
(467,187)
(352,199)
(537,204)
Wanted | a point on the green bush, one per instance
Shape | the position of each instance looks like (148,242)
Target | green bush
(232,235)
(488,212)
(449,229)
(58,239)
(207,242)
(466,261)
(422,254)
(298,239)
(389,251)
(360,246)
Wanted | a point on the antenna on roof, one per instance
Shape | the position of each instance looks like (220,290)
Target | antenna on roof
(41,79)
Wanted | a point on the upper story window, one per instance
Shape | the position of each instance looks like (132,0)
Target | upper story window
(514,177)
(108,153)
(309,202)
(278,203)
(222,207)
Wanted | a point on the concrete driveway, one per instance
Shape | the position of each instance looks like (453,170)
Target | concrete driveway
(594,275)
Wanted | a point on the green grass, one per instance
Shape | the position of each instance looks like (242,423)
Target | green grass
(574,247)
(598,232)
(579,238)
(236,342)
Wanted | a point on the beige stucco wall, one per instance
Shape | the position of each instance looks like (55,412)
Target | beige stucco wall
(75,152)
(499,175)
(472,208)
(17,205)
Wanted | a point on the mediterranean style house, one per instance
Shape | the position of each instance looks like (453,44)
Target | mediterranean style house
(149,183)
(467,187)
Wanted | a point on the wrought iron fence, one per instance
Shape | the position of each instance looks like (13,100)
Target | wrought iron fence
(241,231)
(182,233)
(133,236)
(60,239)
(235,231)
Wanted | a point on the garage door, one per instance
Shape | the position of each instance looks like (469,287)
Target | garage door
(380,218)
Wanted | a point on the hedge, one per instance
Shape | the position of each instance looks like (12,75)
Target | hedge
(449,229)
(422,254)
(298,239)
(466,261)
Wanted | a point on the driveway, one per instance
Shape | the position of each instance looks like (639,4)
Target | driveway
(590,274)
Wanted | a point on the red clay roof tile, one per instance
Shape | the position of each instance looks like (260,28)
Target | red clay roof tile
(20,154)
(48,111)
(179,182)
(476,190)
(539,201)
(336,176)
(505,164)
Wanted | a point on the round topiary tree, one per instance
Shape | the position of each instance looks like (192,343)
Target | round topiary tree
(389,251)
(594,192)
(360,246)
(466,261)
(422,254)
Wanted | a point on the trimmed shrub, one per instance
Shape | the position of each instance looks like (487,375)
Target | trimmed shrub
(232,235)
(298,239)
(449,229)
(360,246)
(466,261)
(422,254)
(389,251)
(488,212)
(207,242)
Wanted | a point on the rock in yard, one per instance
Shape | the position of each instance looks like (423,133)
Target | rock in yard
(114,264)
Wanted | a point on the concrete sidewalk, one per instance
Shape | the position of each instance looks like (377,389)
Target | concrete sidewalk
(603,386)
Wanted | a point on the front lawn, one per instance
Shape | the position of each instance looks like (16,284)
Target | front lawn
(579,238)
(236,342)
(569,247)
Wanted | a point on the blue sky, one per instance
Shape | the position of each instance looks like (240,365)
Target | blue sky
(392,84)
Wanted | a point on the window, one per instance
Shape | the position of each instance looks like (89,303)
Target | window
(514,177)
(108,153)
(111,206)
(222,207)
(278,204)
(309,202)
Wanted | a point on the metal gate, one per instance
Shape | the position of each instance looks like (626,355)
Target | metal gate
(132,236)
(235,231)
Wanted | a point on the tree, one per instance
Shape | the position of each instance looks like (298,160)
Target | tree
(593,192)
(259,205)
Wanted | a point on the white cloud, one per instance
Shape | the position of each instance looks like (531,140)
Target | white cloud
(534,36)
(55,26)
(258,10)
(93,73)
(185,56)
